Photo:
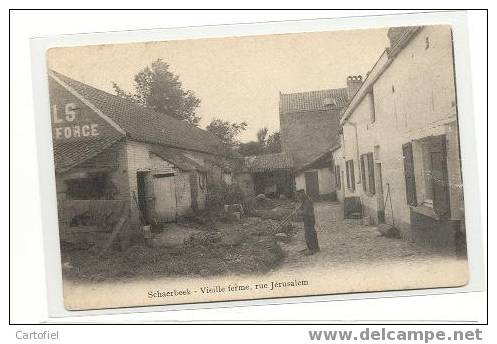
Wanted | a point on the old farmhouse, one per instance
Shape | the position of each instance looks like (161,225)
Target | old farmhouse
(398,158)
(115,158)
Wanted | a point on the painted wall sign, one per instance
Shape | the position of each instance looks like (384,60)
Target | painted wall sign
(70,126)
(73,120)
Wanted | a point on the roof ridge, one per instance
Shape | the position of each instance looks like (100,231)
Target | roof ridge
(88,103)
(153,126)
(143,106)
(342,89)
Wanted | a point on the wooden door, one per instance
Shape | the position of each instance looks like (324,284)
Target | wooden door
(146,200)
(312,184)
(379,193)
(165,197)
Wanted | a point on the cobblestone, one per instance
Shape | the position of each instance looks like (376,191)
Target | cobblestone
(349,242)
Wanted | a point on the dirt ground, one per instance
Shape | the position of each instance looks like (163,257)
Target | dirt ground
(186,249)
(251,246)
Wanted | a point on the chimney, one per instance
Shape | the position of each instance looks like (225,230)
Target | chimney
(354,82)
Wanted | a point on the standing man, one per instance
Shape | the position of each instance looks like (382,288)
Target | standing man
(306,210)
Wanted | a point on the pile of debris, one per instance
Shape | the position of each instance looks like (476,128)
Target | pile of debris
(248,246)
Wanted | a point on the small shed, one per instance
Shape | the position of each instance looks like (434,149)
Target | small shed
(317,177)
(268,174)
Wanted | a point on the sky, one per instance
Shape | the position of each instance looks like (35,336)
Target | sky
(236,78)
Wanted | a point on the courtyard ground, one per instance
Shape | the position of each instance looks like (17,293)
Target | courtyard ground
(184,262)
(349,242)
(254,245)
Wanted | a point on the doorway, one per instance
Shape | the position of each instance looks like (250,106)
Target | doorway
(165,196)
(312,184)
(145,196)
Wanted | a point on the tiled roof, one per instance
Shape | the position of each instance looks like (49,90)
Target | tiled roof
(313,100)
(69,154)
(321,160)
(144,124)
(265,162)
(177,158)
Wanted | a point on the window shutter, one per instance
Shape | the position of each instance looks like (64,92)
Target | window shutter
(363,173)
(347,172)
(409,174)
(337,176)
(352,176)
(371,173)
(438,157)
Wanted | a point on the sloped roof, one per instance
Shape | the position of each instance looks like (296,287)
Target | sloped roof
(319,161)
(313,100)
(70,154)
(144,124)
(265,162)
(177,158)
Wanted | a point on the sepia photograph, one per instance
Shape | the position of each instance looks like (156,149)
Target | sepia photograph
(257,167)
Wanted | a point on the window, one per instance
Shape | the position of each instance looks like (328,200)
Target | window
(97,185)
(163,175)
(367,173)
(427,160)
(434,184)
(349,169)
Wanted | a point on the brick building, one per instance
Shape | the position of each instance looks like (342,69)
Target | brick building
(309,127)
(400,148)
(113,156)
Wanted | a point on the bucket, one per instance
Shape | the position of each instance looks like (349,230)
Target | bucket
(147,234)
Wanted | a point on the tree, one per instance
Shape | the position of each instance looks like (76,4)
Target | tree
(265,144)
(226,131)
(273,143)
(262,135)
(251,148)
(157,87)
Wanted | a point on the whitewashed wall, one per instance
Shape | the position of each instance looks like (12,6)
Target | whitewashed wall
(325,180)
(413,98)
